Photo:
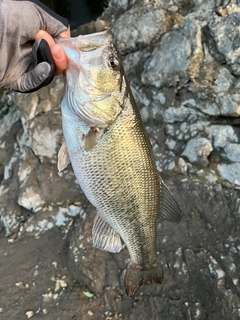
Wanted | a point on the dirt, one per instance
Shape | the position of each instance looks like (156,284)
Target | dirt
(60,276)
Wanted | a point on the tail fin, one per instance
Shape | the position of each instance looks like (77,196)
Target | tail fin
(135,277)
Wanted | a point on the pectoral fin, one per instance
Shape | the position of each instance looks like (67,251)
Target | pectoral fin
(104,237)
(90,139)
(169,208)
(63,157)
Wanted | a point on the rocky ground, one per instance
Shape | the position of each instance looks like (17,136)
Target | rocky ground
(183,62)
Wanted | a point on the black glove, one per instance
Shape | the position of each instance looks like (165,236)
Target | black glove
(25,65)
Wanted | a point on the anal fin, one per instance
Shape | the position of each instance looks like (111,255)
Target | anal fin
(105,237)
(169,208)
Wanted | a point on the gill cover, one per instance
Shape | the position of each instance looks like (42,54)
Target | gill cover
(92,83)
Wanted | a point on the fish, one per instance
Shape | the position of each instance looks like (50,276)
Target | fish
(112,158)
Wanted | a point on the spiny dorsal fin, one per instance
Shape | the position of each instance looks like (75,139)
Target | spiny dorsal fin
(104,237)
(63,157)
(169,208)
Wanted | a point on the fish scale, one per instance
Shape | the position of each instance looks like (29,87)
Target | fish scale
(112,158)
(121,170)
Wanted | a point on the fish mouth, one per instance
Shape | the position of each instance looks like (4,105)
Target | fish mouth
(85,43)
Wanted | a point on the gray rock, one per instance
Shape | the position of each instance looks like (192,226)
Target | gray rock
(188,111)
(11,215)
(9,120)
(30,196)
(172,114)
(230,172)
(210,177)
(45,140)
(176,165)
(229,105)
(171,144)
(28,186)
(221,135)
(232,152)
(224,81)
(40,102)
(163,69)
(27,166)
(197,151)
(226,35)
(51,217)
(209,108)
(130,35)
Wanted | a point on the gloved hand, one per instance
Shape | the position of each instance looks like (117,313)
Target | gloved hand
(25,65)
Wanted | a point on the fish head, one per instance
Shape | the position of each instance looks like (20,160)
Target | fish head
(93,78)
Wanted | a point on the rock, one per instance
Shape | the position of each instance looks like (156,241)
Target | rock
(131,24)
(45,140)
(172,114)
(52,217)
(209,108)
(197,151)
(30,197)
(222,135)
(30,181)
(26,168)
(10,119)
(230,172)
(225,33)
(223,82)
(210,177)
(229,105)
(11,216)
(198,128)
(168,69)
(170,143)
(232,152)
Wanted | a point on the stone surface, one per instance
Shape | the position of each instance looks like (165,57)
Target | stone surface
(232,152)
(154,22)
(197,151)
(182,60)
(225,32)
(181,45)
(230,172)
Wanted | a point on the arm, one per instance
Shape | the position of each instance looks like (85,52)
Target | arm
(25,65)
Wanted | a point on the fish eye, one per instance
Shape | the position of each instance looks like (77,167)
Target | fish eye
(113,62)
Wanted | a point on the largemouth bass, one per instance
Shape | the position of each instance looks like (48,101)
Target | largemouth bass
(111,155)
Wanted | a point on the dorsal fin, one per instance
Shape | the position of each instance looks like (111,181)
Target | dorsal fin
(104,237)
(169,208)
(63,157)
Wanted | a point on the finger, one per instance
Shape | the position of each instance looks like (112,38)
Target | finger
(57,51)
(65,34)
(44,35)
(59,58)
